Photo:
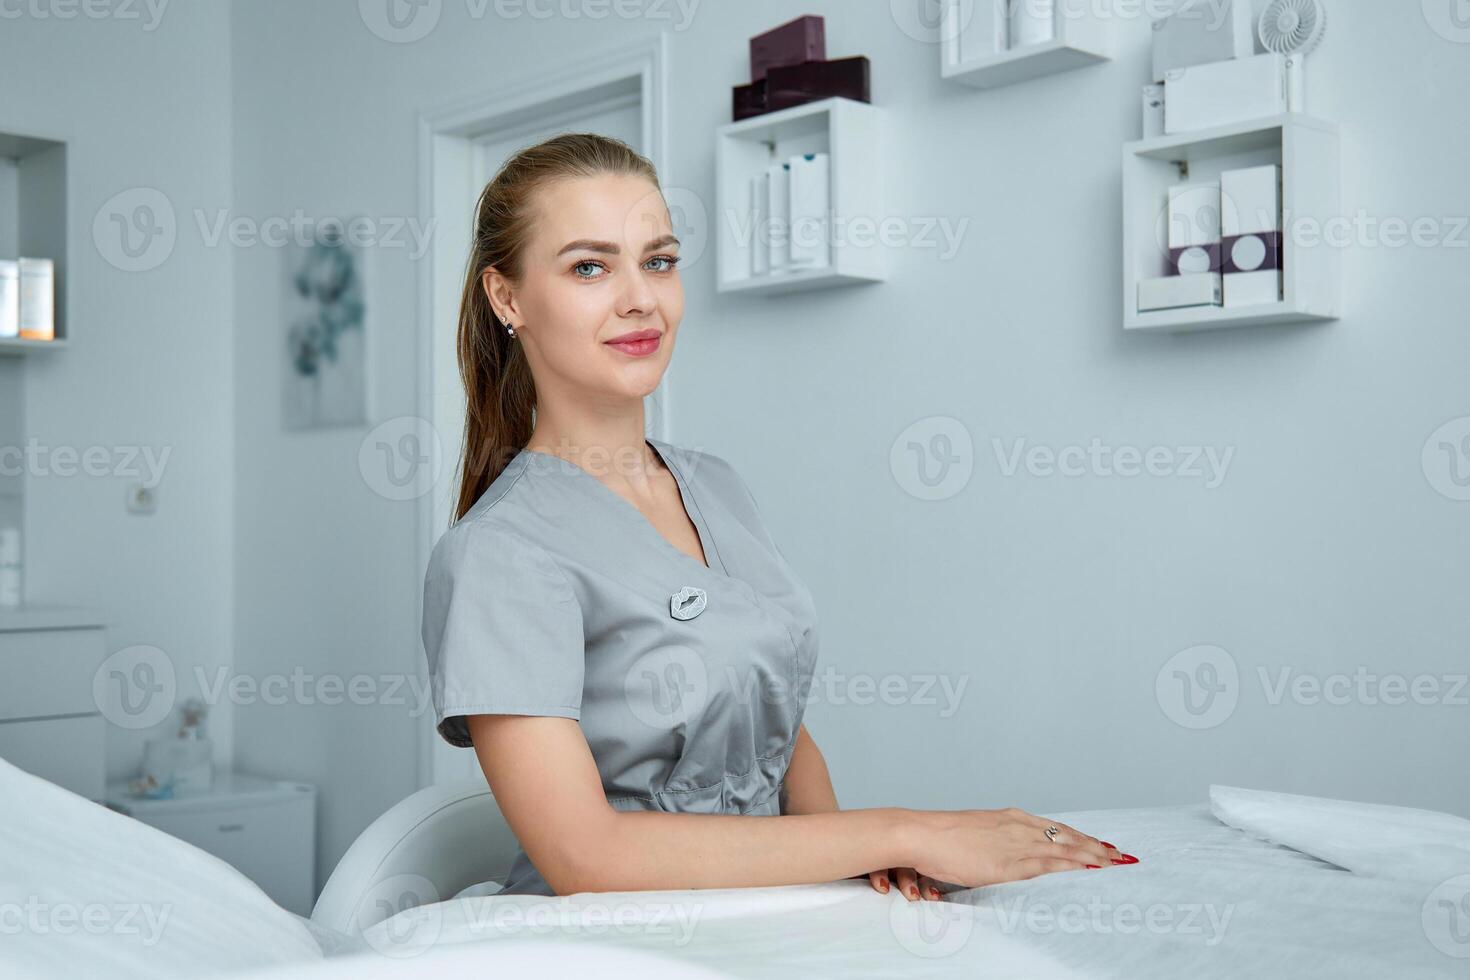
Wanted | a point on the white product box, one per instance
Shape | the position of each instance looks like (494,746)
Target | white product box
(37,298)
(1153,111)
(760,246)
(1179,292)
(779,213)
(1194,214)
(1031,22)
(810,202)
(9,298)
(1224,92)
(1203,31)
(1253,288)
(1250,201)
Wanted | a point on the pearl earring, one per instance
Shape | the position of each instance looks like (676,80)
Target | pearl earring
(508,328)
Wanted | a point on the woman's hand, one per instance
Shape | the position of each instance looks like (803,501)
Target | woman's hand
(984,847)
(911,885)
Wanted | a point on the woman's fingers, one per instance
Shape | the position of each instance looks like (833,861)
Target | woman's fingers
(1071,835)
(928,889)
(880,881)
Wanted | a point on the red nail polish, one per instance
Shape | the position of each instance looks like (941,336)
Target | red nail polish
(914,892)
(1106,844)
(1095,866)
(1126,859)
(884,883)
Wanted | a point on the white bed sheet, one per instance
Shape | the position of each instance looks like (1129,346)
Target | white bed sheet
(1206,900)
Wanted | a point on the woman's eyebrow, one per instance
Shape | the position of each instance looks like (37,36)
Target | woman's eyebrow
(611,248)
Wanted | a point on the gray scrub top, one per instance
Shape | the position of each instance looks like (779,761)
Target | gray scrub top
(553,595)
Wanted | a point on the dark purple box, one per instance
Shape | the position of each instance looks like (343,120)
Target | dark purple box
(1176,254)
(811,81)
(750,100)
(1269,244)
(804,39)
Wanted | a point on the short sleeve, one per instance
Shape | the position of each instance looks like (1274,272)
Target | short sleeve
(502,630)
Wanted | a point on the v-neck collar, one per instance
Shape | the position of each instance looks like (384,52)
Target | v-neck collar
(711,551)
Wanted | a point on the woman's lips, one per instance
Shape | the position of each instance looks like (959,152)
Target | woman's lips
(636,347)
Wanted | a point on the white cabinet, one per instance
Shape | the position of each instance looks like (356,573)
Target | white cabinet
(851,135)
(978,47)
(50,723)
(1306,150)
(265,828)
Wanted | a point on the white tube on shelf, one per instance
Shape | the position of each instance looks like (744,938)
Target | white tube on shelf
(810,203)
(760,244)
(37,299)
(9,298)
(780,216)
(1032,22)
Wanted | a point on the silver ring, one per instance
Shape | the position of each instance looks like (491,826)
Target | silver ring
(1051,833)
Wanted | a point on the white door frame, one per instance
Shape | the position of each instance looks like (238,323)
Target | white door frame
(447,135)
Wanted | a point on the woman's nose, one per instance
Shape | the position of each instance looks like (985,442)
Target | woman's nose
(638,296)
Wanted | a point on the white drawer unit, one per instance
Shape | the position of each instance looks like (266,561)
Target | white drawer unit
(266,828)
(50,724)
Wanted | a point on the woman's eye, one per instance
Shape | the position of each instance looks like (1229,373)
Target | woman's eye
(670,262)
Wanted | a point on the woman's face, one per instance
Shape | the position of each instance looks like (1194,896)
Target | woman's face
(601,265)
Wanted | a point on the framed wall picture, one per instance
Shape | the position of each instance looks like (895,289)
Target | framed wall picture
(325,341)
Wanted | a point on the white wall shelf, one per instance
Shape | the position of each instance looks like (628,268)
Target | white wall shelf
(851,133)
(21,346)
(971,54)
(1306,149)
(33,220)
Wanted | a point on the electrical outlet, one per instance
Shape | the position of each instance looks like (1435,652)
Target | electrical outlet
(142,499)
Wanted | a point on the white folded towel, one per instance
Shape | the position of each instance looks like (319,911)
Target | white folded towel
(1365,838)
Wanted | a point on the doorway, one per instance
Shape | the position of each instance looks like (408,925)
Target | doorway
(622,94)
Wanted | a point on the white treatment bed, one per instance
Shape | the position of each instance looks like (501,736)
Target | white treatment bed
(1207,899)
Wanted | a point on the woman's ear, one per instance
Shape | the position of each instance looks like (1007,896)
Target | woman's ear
(497,291)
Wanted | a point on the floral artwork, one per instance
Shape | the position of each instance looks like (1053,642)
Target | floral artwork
(326,377)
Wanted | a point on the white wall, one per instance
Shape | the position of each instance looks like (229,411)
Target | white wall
(142,102)
(1056,600)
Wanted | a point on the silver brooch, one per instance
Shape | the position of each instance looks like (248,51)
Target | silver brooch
(688,602)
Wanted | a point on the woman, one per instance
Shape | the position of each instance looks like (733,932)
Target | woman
(608,623)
